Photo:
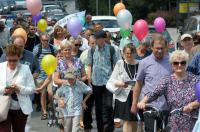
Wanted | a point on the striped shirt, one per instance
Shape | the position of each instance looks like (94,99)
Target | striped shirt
(45,51)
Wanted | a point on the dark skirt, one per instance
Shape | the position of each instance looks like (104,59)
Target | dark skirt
(122,110)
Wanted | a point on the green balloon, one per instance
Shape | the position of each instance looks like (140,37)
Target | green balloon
(125,32)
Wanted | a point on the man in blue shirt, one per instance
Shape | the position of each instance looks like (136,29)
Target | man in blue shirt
(100,64)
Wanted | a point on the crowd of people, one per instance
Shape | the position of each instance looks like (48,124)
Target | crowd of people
(92,71)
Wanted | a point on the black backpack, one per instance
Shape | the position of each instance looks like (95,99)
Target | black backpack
(112,52)
(40,50)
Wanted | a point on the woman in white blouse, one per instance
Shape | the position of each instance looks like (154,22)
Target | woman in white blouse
(121,83)
(17,82)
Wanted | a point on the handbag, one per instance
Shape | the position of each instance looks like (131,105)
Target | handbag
(4,107)
(5,102)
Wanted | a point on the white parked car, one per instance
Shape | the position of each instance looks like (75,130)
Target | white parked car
(109,23)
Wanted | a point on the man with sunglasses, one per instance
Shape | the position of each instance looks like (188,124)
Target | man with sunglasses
(40,51)
(150,71)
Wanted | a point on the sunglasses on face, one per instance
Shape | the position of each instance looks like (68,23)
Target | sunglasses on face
(45,40)
(12,60)
(78,45)
(179,63)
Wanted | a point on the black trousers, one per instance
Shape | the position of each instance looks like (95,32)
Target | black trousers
(104,110)
(87,114)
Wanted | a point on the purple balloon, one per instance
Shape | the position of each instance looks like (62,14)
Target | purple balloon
(36,18)
(160,24)
(74,26)
(197,91)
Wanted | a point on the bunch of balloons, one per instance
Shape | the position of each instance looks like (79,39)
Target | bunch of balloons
(124,19)
(49,64)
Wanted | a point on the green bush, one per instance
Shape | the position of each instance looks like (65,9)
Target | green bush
(169,16)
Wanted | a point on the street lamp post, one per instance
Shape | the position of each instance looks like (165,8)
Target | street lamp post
(97,6)
(109,8)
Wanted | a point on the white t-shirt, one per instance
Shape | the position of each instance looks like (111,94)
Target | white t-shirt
(9,81)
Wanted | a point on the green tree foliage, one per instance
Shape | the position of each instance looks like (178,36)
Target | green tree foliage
(138,8)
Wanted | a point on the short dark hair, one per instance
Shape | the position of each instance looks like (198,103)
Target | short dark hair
(100,34)
(13,50)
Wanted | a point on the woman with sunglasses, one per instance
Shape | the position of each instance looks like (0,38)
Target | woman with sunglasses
(179,92)
(76,47)
(120,84)
(17,82)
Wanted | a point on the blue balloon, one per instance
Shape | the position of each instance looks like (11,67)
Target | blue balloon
(197,91)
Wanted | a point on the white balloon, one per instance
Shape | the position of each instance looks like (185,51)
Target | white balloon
(124,18)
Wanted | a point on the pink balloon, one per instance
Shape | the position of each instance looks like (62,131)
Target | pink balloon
(140,29)
(34,6)
(160,24)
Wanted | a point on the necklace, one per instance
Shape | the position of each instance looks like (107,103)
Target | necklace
(129,71)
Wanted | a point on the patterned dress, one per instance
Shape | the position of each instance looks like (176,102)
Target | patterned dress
(62,67)
(178,93)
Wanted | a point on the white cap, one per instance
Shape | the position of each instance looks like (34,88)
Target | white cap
(186,35)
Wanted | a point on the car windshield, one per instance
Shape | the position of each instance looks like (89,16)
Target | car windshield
(153,31)
(57,17)
(107,23)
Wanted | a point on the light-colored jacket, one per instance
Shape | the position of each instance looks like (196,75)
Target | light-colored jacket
(119,74)
(24,81)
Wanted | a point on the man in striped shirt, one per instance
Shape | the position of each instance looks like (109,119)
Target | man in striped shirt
(40,51)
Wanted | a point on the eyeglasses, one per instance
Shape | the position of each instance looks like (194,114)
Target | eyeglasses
(12,60)
(78,45)
(179,63)
(45,40)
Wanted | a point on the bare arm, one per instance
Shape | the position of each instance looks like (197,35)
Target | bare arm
(45,84)
(191,106)
(57,79)
(83,75)
(89,73)
(136,94)
(85,100)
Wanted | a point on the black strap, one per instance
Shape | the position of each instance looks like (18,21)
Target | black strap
(112,52)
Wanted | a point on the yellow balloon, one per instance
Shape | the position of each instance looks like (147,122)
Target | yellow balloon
(49,64)
(42,25)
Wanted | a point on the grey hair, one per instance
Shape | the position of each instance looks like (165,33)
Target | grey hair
(179,54)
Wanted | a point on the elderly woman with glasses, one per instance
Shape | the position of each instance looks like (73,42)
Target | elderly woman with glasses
(17,82)
(179,92)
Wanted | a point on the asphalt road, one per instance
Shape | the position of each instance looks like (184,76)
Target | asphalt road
(39,125)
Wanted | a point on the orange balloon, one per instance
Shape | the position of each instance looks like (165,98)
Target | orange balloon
(118,7)
(20,32)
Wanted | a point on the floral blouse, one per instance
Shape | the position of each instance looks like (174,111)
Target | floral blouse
(178,93)
(77,65)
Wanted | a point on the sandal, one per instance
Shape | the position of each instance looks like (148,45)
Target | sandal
(44,117)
